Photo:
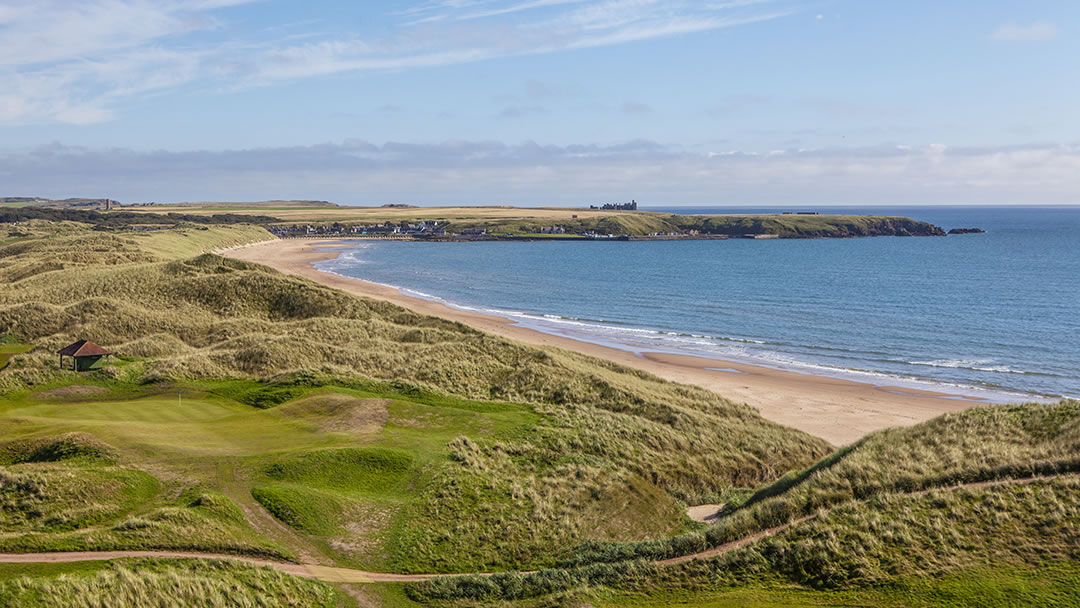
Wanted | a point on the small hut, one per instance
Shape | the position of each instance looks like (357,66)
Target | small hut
(85,356)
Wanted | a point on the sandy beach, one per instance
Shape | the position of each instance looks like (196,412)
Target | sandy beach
(837,410)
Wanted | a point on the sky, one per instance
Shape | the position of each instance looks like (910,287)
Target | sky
(543,102)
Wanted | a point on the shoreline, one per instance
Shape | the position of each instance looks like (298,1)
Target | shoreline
(838,410)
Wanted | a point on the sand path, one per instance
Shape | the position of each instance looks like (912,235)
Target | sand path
(839,411)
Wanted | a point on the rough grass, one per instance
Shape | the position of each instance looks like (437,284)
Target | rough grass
(1032,526)
(68,446)
(51,498)
(884,508)
(198,520)
(608,454)
(980,444)
(997,586)
(169,583)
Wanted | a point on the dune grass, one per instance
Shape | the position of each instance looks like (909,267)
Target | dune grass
(880,510)
(164,583)
(387,440)
(1052,586)
(517,453)
(980,444)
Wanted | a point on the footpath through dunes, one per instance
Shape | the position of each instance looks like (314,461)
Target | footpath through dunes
(349,575)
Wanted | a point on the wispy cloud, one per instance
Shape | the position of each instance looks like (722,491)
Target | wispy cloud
(445,40)
(357,171)
(1034,32)
(70,61)
(74,61)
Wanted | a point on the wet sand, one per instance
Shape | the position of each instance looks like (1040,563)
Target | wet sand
(839,411)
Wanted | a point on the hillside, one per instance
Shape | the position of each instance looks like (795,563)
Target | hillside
(255,413)
(990,495)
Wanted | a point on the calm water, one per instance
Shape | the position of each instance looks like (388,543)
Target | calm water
(997,312)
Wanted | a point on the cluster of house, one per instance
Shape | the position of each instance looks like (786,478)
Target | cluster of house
(686,233)
(552,230)
(425,228)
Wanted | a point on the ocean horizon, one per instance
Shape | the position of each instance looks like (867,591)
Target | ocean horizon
(990,315)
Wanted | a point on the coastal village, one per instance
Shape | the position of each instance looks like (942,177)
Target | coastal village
(443,230)
(436,230)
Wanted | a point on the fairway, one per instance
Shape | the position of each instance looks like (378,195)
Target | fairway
(209,426)
(164,409)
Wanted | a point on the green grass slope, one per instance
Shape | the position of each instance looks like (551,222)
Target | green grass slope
(378,437)
(979,491)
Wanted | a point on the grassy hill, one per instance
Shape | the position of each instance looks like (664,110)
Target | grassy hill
(991,495)
(257,413)
(254,413)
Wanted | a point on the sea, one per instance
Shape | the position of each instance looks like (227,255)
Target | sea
(993,315)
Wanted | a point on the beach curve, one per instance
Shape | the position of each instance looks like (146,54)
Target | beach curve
(838,410)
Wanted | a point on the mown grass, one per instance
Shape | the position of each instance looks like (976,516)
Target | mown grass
(164,583)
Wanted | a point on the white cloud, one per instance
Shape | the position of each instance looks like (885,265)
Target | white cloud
(1035,32)
(74,60)
(356,171)
(63,61)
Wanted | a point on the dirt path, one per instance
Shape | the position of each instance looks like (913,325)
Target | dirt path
(331,574)
(268,525)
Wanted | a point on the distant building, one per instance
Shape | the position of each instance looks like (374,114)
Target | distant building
(631,206)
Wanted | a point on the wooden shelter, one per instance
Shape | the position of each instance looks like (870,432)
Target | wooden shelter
(85,356)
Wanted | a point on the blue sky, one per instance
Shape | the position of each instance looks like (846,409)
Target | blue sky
(543,101)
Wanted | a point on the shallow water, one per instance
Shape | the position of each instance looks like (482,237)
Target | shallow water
(996,312)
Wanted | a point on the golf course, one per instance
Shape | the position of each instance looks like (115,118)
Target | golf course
(259,439)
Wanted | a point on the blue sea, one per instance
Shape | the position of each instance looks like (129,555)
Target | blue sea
(995,315)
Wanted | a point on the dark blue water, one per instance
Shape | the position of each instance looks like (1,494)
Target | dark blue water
(997,312)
